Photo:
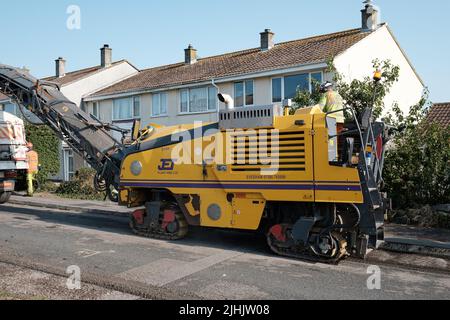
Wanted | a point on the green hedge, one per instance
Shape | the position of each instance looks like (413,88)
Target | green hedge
(46,144)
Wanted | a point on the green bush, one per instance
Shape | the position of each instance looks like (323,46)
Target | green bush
(46,144)
(81,187)
(417,168)
(48,186)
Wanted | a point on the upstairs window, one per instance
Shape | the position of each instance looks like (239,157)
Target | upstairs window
(126,108)
(95,112)
(159,104)
(137,106)
(244,93)
(287,87)
(198,100)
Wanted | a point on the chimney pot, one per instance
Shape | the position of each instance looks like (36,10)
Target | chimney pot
(60,67)
(267,40)
(370,16)
(190,55)
(106,56)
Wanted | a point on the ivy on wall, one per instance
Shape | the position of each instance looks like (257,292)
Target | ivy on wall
(46,144)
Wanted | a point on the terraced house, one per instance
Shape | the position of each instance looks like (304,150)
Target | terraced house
(185,92)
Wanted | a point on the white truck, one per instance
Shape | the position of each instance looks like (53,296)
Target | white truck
(13,154)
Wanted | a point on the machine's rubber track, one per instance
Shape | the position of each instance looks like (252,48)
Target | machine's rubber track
(303,253)
(159,233)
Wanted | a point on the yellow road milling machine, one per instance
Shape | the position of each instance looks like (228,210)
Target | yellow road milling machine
(314,191)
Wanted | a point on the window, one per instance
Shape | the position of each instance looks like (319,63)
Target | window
(137,106)
(292,84)
(249,93)
(184,101)
(243,93)
(277,94)
(10,108)
(287,87)
(212,98)
(198,100)
(159,104)
(126,109)
(95,110)
(69,169)
(316,78)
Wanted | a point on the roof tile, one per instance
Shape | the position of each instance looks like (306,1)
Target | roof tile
(440,113)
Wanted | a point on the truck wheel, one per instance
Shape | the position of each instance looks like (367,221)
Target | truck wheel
(4,197)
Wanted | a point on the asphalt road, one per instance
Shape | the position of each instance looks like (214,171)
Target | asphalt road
(208,264)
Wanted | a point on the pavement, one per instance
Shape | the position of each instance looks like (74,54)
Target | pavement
(208,264)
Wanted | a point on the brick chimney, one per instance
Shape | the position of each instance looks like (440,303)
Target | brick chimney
(267,42)
(106,56)
(190,55)
(370,16)
(60,65)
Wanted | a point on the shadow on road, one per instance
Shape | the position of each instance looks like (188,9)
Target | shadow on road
(241,241)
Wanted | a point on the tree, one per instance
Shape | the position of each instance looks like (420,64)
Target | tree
(358,93)
(417,168)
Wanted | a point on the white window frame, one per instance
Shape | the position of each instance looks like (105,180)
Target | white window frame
(288,75)
(160,114)
(244,82)
(95,105)
(131,100)
(138,115)
(188,90)
(67,155)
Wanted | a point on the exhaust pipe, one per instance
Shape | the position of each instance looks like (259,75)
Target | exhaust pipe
(224,98)
(227,99)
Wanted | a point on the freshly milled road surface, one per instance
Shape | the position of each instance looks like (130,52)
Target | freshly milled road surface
(210,264)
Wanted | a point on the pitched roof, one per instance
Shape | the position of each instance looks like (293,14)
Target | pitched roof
(440,113)
(311,50)
(77,75)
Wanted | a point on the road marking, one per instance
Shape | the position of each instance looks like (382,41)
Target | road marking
(86,253)
(165,271)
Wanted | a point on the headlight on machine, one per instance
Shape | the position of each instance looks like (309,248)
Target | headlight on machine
(136,168)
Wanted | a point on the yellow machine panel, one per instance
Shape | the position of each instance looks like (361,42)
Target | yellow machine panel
(288,163)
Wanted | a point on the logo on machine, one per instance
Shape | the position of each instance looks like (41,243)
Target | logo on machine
(166,165)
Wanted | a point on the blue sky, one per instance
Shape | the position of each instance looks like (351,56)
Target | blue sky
(155,32)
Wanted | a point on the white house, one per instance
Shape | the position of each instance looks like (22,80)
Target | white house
(81,83)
